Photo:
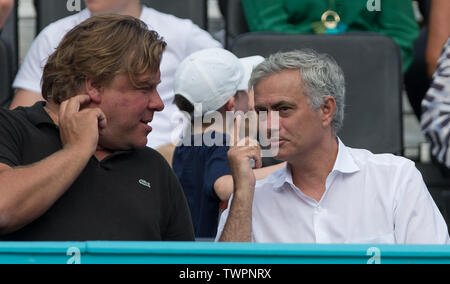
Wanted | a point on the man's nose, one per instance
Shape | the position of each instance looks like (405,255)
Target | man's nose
(272,124)
(156,103)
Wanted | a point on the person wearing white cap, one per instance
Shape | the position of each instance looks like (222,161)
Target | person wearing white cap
(208,84)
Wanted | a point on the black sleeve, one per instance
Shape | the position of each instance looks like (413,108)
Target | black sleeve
(9,140)
(180,227)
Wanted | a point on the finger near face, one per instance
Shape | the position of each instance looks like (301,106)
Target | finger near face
(62,108)
(102,122)
(74,104)
(98,113)
(248,142)
(255,154)
(236,131)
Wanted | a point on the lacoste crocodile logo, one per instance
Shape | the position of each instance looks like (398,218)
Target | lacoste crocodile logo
(145,183)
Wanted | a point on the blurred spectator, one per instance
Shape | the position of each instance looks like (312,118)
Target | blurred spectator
(416,79)
(438,32)
(436,109)
(391,18)
(182,36)
(427,49)
(6,7)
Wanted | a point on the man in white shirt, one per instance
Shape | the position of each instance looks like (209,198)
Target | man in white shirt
(328,193)
(182,37)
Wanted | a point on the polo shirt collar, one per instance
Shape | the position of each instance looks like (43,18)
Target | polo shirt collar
(344,164)
(37,114)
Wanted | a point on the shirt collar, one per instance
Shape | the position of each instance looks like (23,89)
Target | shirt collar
(344,164)
(37,114)
(344,161)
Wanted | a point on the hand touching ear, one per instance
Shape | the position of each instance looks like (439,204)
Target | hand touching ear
(80,127)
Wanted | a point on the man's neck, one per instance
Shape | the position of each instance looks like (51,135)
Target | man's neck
(311,170)
(52,110)
(102,153)
(134,10)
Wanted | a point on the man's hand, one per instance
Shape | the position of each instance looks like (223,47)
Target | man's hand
(244,150)
(80,128)
(29,191)
(240,159)
(238,227)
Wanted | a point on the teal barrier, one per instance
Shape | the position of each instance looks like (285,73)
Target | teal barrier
(217,253)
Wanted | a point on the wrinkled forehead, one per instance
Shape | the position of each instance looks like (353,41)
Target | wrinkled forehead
(280,88)
(287,81)
(124,81)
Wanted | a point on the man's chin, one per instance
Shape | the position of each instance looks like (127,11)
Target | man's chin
(142,143)
(280,158)
(273,152)
(138,144)
(124,146)
(141,146)
(279,155)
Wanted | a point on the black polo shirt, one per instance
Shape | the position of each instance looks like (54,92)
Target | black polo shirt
(129,196)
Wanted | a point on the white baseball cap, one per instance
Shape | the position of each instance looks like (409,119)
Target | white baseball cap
(210,77)
(249,64)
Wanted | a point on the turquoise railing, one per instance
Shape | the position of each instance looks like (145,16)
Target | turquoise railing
(217,253)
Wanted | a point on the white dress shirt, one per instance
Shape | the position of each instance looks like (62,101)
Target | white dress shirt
(372,199)
(182,36)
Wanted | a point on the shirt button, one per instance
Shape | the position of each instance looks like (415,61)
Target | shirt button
(319,209)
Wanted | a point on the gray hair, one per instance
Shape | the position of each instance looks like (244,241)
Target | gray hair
(320,74)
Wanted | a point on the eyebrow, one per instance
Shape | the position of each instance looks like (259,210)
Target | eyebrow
(148,84)
(276,105)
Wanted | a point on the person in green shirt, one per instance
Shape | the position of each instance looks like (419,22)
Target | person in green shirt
(393,18)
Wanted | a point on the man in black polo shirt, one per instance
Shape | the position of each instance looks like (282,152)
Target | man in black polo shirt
(76,168)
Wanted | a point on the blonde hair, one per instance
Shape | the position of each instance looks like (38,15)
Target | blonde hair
(99,49)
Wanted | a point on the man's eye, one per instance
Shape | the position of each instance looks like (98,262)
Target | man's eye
(146,90)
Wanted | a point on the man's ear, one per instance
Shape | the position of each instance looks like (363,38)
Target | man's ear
(328,110)
(93,92)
